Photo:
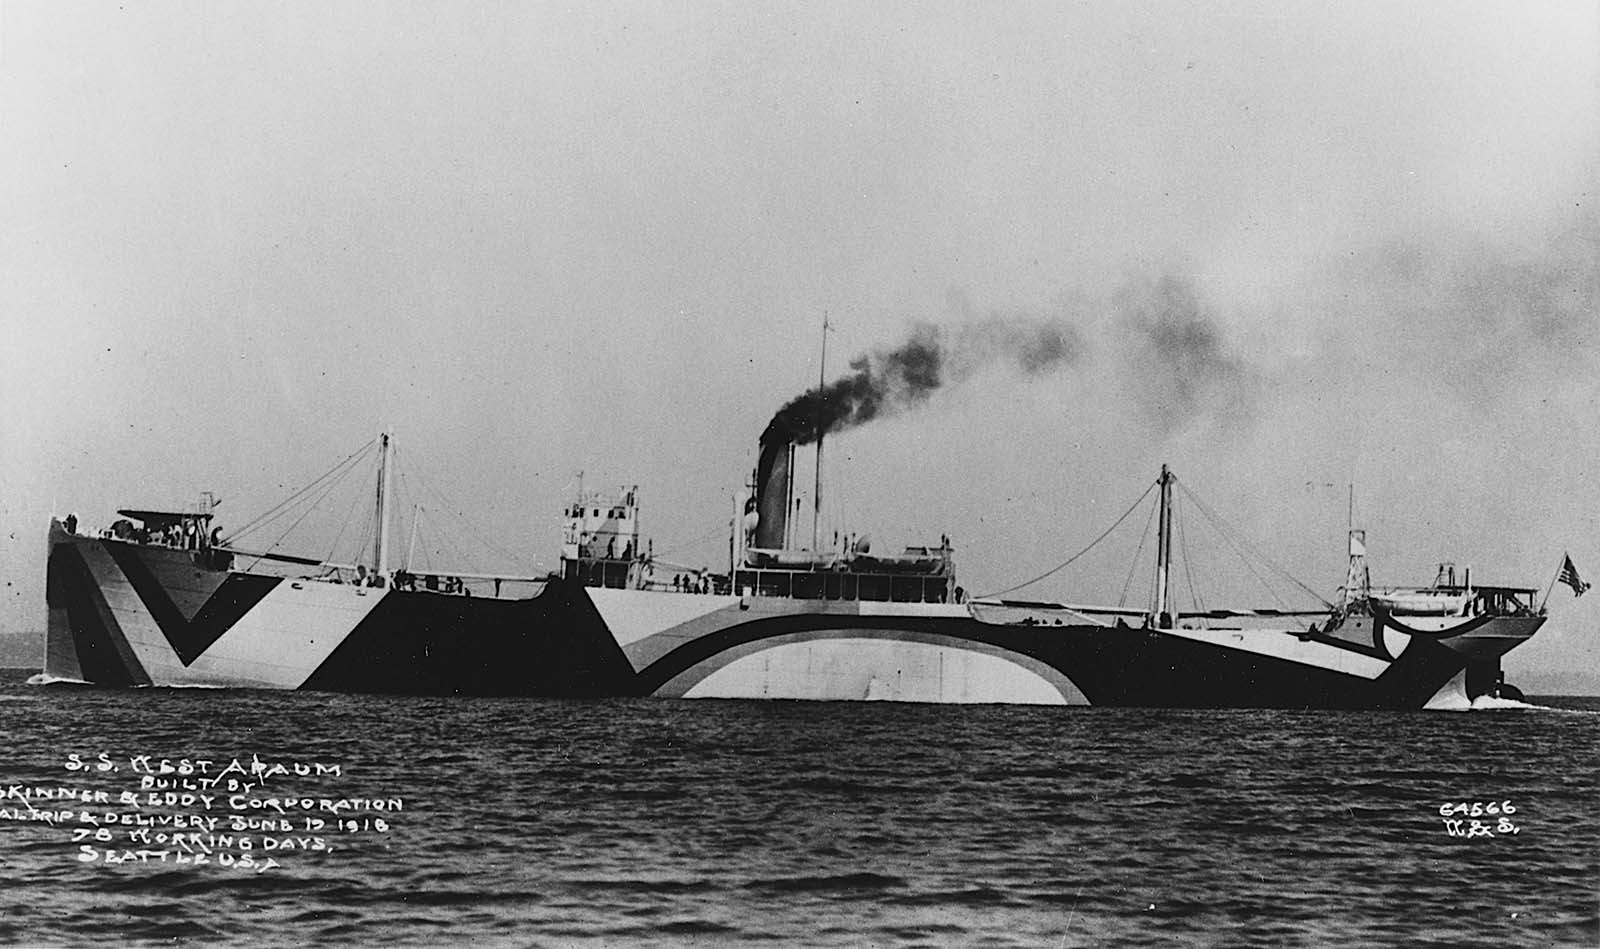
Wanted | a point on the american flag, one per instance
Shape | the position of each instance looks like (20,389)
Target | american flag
(1569,576)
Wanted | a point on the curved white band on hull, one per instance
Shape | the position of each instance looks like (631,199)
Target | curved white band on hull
(856,665)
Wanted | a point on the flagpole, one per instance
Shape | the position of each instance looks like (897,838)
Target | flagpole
(1551,588)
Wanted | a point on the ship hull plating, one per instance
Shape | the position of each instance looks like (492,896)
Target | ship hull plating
(122,614)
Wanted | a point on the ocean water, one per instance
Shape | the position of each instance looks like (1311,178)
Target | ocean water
(562,823)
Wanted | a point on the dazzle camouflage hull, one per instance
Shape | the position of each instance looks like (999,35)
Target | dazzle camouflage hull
(132,614)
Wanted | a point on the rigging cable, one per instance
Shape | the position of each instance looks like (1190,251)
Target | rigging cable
(342,526)
(368,535)
(689,544)
(444,539)
(1183,545)
(303,515)
(1138,555)
(1058,567)
(473,529)
(425,532)
(1232,542)
(279,510)
(405,500)
(1226,533)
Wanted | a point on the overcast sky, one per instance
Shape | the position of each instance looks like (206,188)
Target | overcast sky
(1294,247)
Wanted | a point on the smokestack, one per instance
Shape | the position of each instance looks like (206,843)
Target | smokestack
(772,485)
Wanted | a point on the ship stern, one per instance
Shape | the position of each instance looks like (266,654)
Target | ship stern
(1484,645)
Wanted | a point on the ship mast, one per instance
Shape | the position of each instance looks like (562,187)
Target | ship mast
(380,540)
(1163,619)
(1357,581)
(816,491)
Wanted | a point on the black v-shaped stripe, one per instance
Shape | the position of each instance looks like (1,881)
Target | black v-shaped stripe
(104,656)
(190,638)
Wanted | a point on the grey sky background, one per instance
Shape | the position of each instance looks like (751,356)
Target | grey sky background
(1295,247)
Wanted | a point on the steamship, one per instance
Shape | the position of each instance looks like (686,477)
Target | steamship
(161,599)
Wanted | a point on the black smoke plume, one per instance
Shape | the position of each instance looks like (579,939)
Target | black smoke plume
(892,381)
(1179,365)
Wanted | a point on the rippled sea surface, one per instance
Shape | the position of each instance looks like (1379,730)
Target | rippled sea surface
(557,823)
